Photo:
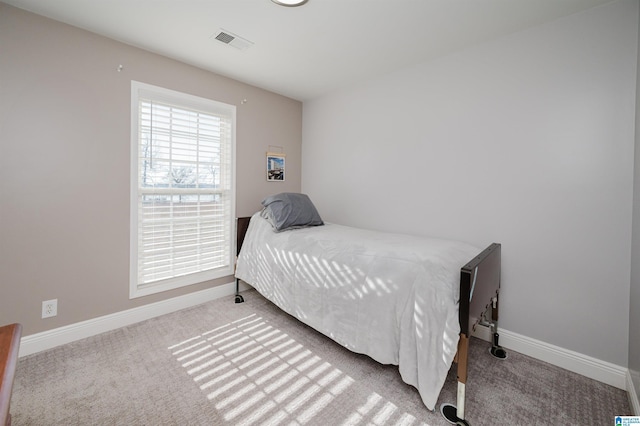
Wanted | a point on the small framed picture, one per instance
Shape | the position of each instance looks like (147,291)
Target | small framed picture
(275,166)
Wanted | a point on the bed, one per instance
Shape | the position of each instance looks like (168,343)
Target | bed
(400,299)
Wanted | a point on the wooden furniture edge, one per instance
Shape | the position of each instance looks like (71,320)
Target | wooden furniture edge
(9,346)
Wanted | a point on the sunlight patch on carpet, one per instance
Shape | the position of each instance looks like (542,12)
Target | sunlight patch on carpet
(254,373)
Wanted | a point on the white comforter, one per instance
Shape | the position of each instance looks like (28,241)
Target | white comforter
(393,297)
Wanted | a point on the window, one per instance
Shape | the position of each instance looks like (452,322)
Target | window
(182,189)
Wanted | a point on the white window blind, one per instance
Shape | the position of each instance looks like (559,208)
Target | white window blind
(182,189)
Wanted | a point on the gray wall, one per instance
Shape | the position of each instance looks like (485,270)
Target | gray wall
(528,141)
(64,164)
(634,294)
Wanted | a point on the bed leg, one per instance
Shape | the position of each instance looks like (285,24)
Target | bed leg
(239,298)
(496,350)
(452,413)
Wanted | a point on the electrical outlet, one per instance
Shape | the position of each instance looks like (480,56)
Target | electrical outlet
(49,308)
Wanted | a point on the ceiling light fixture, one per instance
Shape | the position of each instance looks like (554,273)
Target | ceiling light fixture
(290,3)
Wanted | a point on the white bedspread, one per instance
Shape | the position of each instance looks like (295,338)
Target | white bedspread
(393,297)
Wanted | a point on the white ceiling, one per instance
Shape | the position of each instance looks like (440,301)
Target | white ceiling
(305,52)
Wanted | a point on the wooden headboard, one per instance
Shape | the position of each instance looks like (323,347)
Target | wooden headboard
(242,224)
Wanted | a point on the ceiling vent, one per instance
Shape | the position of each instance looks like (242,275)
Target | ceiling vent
(233,40)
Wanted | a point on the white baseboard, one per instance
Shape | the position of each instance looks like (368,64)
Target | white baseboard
(634,401)
(587,366)
(70,333)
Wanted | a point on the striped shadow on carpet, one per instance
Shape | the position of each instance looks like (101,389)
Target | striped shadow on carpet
(223,363)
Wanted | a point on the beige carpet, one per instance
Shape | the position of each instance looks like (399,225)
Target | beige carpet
(245,364)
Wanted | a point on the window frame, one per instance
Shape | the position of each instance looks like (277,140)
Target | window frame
(193,103)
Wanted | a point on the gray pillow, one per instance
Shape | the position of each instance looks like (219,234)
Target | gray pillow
(290,210)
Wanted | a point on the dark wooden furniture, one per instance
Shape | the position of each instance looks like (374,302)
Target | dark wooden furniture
(242,224)
(9,345)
